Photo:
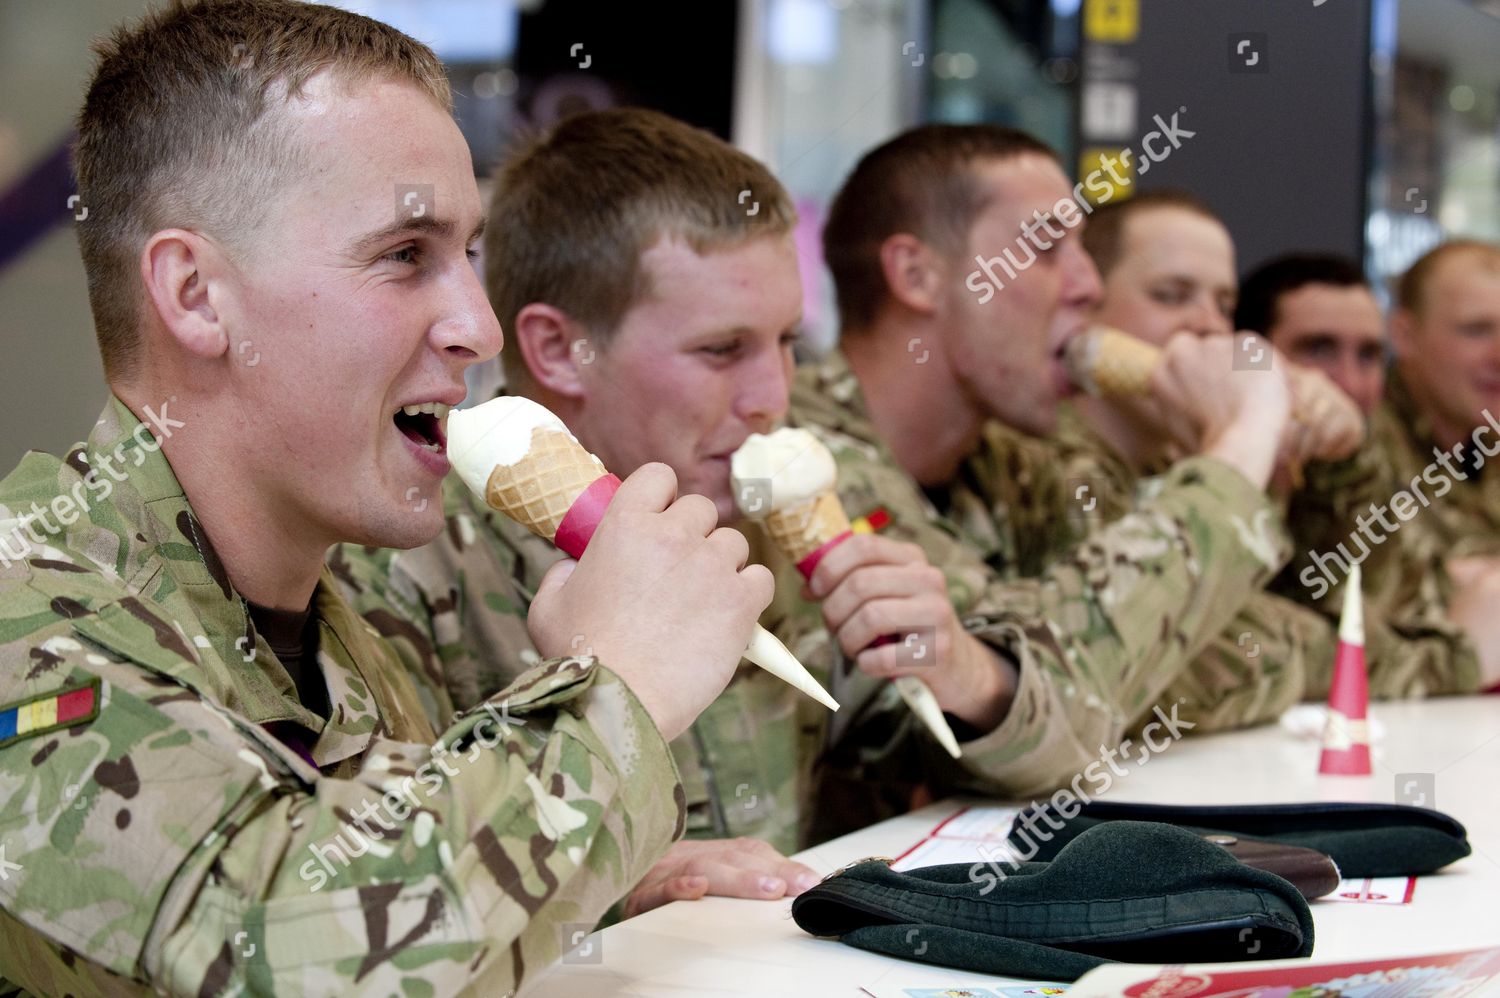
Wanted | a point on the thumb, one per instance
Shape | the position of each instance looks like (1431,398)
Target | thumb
(555,578)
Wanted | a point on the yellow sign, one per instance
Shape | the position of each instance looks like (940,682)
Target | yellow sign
(1106,174)
(1115,21)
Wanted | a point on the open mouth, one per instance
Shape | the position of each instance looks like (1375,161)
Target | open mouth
(424,424)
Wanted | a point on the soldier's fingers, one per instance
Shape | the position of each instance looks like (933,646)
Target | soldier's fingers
(857,551)
(911,654)
(697,514)
(877,619)
(731,545)
(757,855)
(871,582)
(652,487)
(556,576)
(731,880)
(798,878)
(689,887)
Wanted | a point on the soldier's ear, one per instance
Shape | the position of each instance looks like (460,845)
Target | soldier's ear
(184,277)
(914,272)
(554,347)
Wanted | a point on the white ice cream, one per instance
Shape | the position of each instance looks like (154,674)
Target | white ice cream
(492,433)
(794,461)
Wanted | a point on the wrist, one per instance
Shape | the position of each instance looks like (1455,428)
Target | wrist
(1249,448)
(988,688)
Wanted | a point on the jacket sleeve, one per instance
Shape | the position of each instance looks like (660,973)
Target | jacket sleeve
(173,844)
(1107,626)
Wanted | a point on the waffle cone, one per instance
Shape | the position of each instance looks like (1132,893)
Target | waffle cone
(801,530)
(1107,362)
(538,490)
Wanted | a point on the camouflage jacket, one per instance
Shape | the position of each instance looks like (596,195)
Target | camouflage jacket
(1100,631)
(763,760)
(1454,514)
(456,609)
(157,837)
(1275,651)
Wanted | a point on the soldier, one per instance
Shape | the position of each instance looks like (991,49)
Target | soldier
(1275,651)
(1435,433)
(218,777)
(1444,394)
(960,280)
(658,324)
(682,339)
(660,327)
(1318,309)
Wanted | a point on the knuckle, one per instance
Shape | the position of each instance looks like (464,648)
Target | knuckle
(869,619)
(657,474)
(733,542)
(858,584)
(697,507)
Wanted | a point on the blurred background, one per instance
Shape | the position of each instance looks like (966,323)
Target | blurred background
(1364,127)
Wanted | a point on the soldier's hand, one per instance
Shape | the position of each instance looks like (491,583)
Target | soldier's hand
(735,868)
(1326,424)
(871,588)
(661,596)
(1237,411)
(1476,592)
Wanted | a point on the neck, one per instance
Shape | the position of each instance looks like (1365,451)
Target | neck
(1445,431)
(1130,439)
(918,410)
(269,556)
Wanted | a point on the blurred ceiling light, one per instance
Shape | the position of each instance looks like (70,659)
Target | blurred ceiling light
(802,31)
(500,83)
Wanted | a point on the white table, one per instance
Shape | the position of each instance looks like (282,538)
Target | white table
(722,946)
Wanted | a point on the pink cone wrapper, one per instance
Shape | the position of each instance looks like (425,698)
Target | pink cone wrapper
(918,696)
(578,526)
(1346,738)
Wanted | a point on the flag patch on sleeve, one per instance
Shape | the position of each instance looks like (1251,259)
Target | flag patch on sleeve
(49,712)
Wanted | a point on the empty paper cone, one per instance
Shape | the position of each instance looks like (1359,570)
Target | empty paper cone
(770,654)
(923,703)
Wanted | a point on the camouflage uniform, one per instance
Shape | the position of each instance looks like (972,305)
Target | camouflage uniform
(1099,631)
(171,844)
(459,617)
(1405,578)
(1096,639)
(1275,651)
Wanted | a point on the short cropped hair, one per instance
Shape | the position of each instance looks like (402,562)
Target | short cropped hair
(1263,288)
(181,128)
(573,212)
(921,182)
(1411,289)
(1104,238)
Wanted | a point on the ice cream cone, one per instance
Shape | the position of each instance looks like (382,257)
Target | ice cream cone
(538,490)
(1105,361)
(1346,738)
(807,528)
(801,530)
(558,490)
